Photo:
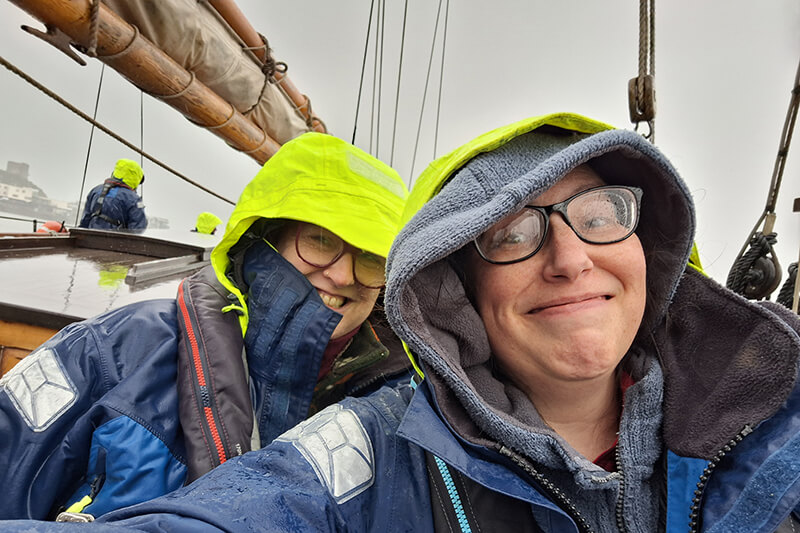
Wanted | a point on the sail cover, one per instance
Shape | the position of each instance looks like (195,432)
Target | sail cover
(195,36)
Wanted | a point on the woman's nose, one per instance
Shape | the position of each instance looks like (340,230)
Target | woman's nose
(341,271)
(565,254)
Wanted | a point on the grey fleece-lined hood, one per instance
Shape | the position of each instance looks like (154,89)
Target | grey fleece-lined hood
(426,303)
(495,175)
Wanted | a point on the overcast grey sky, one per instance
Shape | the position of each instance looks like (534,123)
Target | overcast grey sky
(724,71)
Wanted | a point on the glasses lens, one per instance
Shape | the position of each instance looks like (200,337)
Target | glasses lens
(370,270)
(604,215)
(318,246)
(514,237)
(321,248)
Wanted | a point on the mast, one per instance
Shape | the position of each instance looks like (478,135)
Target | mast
(120,46)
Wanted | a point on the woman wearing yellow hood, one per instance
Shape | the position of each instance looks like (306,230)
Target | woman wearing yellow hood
(150,396)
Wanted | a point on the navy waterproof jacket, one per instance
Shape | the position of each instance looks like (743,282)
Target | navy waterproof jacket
(356,465)
(111,408)
(710,428)
(121,208)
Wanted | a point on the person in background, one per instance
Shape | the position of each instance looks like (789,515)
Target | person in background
(136,402)
(114,204)
(207,223)
(578,376)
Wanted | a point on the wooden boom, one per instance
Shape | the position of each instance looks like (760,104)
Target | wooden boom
(120,46)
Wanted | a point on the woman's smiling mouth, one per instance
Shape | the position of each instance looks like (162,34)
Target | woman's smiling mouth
(334,302)
(570,304)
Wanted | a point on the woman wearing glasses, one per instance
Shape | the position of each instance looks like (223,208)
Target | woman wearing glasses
(132,404)
(578,376)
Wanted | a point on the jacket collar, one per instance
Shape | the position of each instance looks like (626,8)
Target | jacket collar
(728,362)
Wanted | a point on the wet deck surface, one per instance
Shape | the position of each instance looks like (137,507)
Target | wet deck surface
(54,281)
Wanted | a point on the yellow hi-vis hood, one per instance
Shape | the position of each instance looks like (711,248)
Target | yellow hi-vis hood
(129,172)
(207,222)
(323,180)
(439,172)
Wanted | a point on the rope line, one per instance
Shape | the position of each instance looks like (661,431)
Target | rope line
(425,90)
(363,70)
(785,142)
(89,148)
(380,82)
(743,260)
(646,41)
(441,78)
(641,89)
(786,294)
(752,275)
(141,135)
(374,82)
(35,222)
(94,22)
(399,76)
(107,131)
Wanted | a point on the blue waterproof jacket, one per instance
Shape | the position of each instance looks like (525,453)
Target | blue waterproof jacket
(121,207)
(357,465)
(709,433)
(111,408)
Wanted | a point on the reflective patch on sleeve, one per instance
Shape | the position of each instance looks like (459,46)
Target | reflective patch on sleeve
(140,204)
(339,450)
(39,389)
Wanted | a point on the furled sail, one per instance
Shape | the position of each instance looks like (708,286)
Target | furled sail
(192,34)
(185,53)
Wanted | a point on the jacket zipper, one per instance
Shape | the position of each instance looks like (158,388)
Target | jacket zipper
(694,512)
(206,401)
(560,498)
(621,495)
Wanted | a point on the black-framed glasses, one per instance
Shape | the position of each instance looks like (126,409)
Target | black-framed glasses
(601,215)
(321,248)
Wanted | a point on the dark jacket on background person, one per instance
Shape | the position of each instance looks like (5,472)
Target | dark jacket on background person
(709,436)
(114,204)
(121,207)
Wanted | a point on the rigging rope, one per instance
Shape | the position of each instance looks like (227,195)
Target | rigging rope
(441,78)
(363,69)
(21,220)
(425,90)
(641,89)
(380,81)
(141,126)
(399,75)
(89,148)
(757,257)
(141,137)
(786,294)
(374,81)
(755,275)
(93,26)
(107,131)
